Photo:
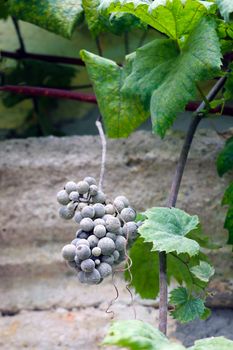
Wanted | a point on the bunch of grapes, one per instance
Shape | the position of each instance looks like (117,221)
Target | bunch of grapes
(105,229)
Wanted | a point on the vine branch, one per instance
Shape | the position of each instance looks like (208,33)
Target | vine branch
(172,198)
(22,48)
(104,149)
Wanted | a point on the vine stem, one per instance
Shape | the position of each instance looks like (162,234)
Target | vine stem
(173,194)
(104,150)
(22,48)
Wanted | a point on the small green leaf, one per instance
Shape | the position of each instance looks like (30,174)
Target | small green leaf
(226,8)
(228,195)
(144,270)
(98,22)
(187,307)
(173,18)
(228,225)
(203,271)
(121,114)
(166,228)
(225,158)
(165,76)
(58,16)
(135,335)
(218,343)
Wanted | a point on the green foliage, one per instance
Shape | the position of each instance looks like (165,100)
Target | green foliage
(58,16)
(166,228)
(138,335)
(173,18)
(225,158)
(101,22)
(121,114)
(135,335)
(203,271)
(226,8)
(187,307)
(165,76)
(3,9)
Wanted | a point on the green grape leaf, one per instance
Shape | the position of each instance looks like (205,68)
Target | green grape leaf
(228,225)
(228,196)
(144,269)
(218,343)
(225,158)
(203,271)
(202,239)
(4,11)
(102,22)
(58,16)
(166,228)
(135,335)
(165,77)
(187,307)
(173,18)
(226,8)
(121,114)
(228,88)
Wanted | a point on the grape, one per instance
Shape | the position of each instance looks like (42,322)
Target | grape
(97,261)
(119,205)
(99,197)
(83,252)
(106,216)
(99,210)
(104,269)
(83,187)
(99,222)
(90,180)
(83,241)
(96,251)
(70,187)
(99,231)
(109,209)
(69,252)
(78,217)
(111,235)
(108,259)
(93,277)
(72,263)
(113,224)
(77,260)
(63,197)
(116,255)
(128,214)
(71,206)
(93,190)
(74,196)
(75,241)
(120,243)
(87,265)
(88,212)
(106,245)
(130,229)
(93,241)
(81,205)
(83,235)
(65,213)
(87,224)
(123,199)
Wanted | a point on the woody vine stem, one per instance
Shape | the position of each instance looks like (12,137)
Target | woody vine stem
(173,194)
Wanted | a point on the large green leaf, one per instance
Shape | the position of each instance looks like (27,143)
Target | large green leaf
(218,343)
(58,16)
(225,158)
(228,196)
(228,225)
(135,335)
(166,228)
(102,22)
(165,76)
(187,307)
(144,270)
(203,271)
(4,12)
(226,8)
(173,18)
(121,114)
